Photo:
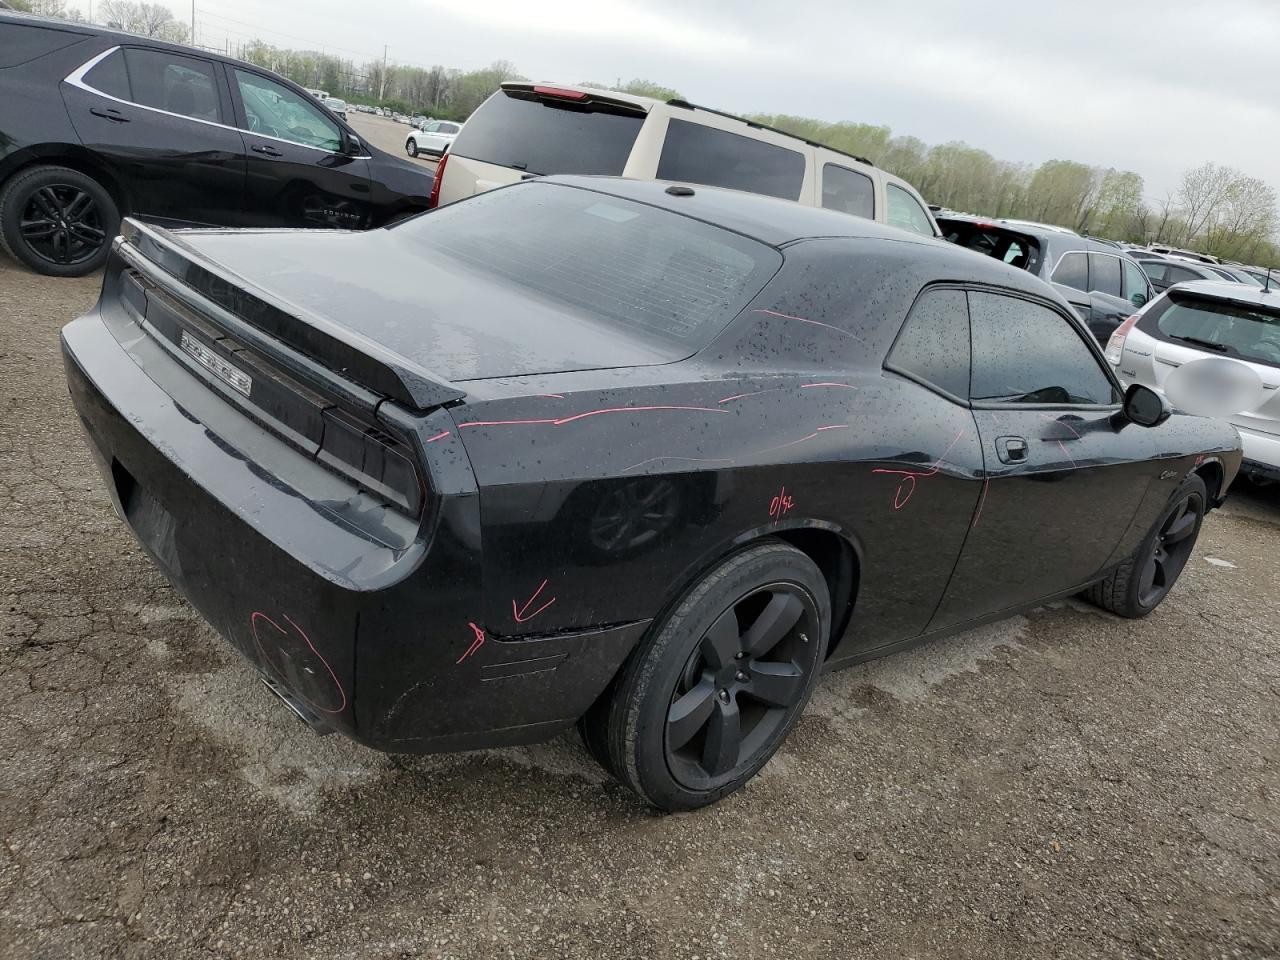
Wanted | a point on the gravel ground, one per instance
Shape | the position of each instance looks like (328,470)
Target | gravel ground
(1064,784)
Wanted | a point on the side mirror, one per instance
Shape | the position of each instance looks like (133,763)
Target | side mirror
(1145,407)
(354,146)
(1138,299)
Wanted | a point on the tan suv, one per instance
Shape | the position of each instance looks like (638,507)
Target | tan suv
(527,129)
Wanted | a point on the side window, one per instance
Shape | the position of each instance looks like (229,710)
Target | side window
(1136,290)
(1154,269)
(1178,274)
(1024,352)
(700,154)
(173,83)
(934,343)
(276,111)
(848,191)
(109,76)
(449,128)
(1072,271)
(1104,273)
(905,212)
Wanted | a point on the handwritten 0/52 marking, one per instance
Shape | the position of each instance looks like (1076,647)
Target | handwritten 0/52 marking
(780,505)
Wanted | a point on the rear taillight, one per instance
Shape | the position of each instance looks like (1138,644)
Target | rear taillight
(433,198)
(1115,346)
(372,458)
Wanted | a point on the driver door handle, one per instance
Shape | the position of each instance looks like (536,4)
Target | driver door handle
(1011,449)
(266,150)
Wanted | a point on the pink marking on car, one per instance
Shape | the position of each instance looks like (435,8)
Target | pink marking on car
(1065,453)
(847,386)
(589,413)
(816,323)
(780,505)
(520,614)
(900,499)
(476,644)
(552,396)
(253,626)
(439,436)
(986,481)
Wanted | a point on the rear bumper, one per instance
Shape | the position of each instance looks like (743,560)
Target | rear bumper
(1261,454)
(381,643)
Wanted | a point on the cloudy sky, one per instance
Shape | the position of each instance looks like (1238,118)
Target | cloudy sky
(1155,87)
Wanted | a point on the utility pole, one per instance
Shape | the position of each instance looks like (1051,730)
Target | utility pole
(382,82)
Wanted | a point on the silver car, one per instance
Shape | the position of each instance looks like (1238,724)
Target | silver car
(1211,319)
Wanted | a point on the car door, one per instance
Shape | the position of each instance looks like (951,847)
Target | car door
(432,140)
(162,122)
(1108,306)
(300,169)
(1062,477)
(1071,278)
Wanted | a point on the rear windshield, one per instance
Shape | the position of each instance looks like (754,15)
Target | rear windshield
(514,128)
(1231,329)
(1015,249)
(669,279)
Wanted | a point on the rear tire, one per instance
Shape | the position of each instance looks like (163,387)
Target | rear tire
(57,221)
(718,683)
(1141,583)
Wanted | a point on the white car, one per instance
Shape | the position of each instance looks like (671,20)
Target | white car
(526,129)
(434,139)
(1211,318)
(337,106)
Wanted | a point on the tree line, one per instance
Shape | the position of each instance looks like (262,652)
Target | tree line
(1213,208)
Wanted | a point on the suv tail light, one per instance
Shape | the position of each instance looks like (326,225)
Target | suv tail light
(1115,346)
(433,198)
(559,92)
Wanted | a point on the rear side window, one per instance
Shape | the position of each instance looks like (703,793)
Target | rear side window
(674,280)
(109,76)
(514,129)
(175,84)
(1177,274)
(1154,269)
(699,154)
(905,211)
(1073,271)
(20,43)
(1136,289)
(1104,274)
(1024,352)
(1234,330)
(848,191)
(934,343)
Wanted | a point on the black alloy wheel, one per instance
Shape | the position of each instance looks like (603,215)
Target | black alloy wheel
(63,224)
(1170,549)
(740,684)
(1142,581)
(718,681)
(57,221)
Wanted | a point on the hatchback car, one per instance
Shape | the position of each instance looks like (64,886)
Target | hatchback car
(1098,279)
(97,124)
(731,442)
(1212,319)
(528,129)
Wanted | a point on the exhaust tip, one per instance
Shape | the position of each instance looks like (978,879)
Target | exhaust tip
(297,708)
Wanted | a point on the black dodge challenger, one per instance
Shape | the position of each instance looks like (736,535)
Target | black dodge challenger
(637,456)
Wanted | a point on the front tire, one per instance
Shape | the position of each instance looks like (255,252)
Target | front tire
(57,221)
(411,147)
(718,683)
(1141,583)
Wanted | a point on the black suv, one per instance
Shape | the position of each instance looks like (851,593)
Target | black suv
(96,124)
(1101,283)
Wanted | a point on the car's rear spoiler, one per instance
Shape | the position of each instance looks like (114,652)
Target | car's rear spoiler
(362,360)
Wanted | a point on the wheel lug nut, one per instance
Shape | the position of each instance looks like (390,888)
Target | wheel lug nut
(739,655)
(742,677)
(724,696)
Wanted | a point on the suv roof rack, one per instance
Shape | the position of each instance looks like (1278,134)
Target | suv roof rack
(764,126)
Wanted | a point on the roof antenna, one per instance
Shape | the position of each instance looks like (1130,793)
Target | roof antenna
(1266,288)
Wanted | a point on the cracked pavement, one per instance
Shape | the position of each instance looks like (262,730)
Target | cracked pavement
(1064,784)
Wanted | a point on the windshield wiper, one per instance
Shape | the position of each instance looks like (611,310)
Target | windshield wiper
(1208,344)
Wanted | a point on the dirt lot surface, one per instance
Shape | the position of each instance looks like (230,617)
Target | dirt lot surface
(1059,785)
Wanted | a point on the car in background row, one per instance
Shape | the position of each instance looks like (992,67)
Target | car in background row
(1167,271)
(96,124)
(1185,254)
(527,129)
(337,107)
(1100,282)
(434,138)
(1211,319)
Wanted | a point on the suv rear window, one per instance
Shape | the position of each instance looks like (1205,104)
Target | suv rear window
(696,153)
(1015,249)
(1216,326)
(515,128)
(673,280)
